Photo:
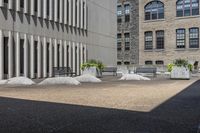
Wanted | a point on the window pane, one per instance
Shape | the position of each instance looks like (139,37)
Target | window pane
(148,40)
(127,9)
(187,8)
(194,37)
(180,38)
(154,10)
(160,39)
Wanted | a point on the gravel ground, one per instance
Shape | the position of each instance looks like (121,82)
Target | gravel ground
(157,106)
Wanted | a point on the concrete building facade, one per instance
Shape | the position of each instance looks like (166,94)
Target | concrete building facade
(169,30)
(127,32)
(37,35)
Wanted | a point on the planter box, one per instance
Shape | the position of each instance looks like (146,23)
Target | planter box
(93,71)
(180,73)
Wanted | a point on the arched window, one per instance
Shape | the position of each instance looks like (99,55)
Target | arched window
(154,10)
(187,8)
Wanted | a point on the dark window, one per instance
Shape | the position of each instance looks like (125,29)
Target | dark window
(6,1)
(194,37)
(127,18)
(119,63)
(119,46)
(48,7)
(160,42)
(22,3)
(36,5)
(180,38)
(126,63)
(127,41)
(154,10)
(187,8)
(148,62)
(148,40)
(119,20)
(159,62)
(119,42)
(119,37)
(58,8)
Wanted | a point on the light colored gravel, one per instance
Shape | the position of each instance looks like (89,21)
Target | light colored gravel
(129,95)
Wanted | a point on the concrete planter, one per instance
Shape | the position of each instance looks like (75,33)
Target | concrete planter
(93,71)
(180,73)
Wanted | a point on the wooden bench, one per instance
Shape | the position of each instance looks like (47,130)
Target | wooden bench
(63,71)
(111,69)
(146,70)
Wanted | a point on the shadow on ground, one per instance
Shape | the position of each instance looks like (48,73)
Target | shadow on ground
(180,114)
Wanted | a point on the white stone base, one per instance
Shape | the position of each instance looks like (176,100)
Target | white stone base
(180,73)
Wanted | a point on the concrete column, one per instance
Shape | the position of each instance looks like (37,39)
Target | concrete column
(85,15)
(18,5)
(17,56)
(25,6)
(55,53)
(78,59)
(39,8)
(61,11)
(1,3)
(81,25)
(32,66)
(73,56)
(50,58)
(25,55)
(10,55)
(56,10)
(74,13)
(10,4)
(61,54)
(65,53)
(85,53)
(51,9)
(1,56)
(81,54)
(44,57)
(70,55)
(39,58)
(32,6)
(70,12)
(65,11)
(45,9)
(78,13)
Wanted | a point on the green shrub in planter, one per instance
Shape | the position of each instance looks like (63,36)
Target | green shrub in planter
(93,63)
(180,63)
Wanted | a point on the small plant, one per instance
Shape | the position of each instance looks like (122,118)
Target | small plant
(190,67)
(170,67)
(93,63)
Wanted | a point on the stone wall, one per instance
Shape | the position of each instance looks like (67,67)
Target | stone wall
(132,27)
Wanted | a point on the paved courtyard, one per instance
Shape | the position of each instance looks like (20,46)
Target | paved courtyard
(157,106)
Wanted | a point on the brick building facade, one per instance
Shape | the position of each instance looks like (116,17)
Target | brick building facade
(169,30)
(166,29)
(128,32)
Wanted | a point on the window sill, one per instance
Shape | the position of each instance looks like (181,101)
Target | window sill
(148,50)
(187,17)
(193,48)
(180,49)
(156,20)
(159,50)
(155,50)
